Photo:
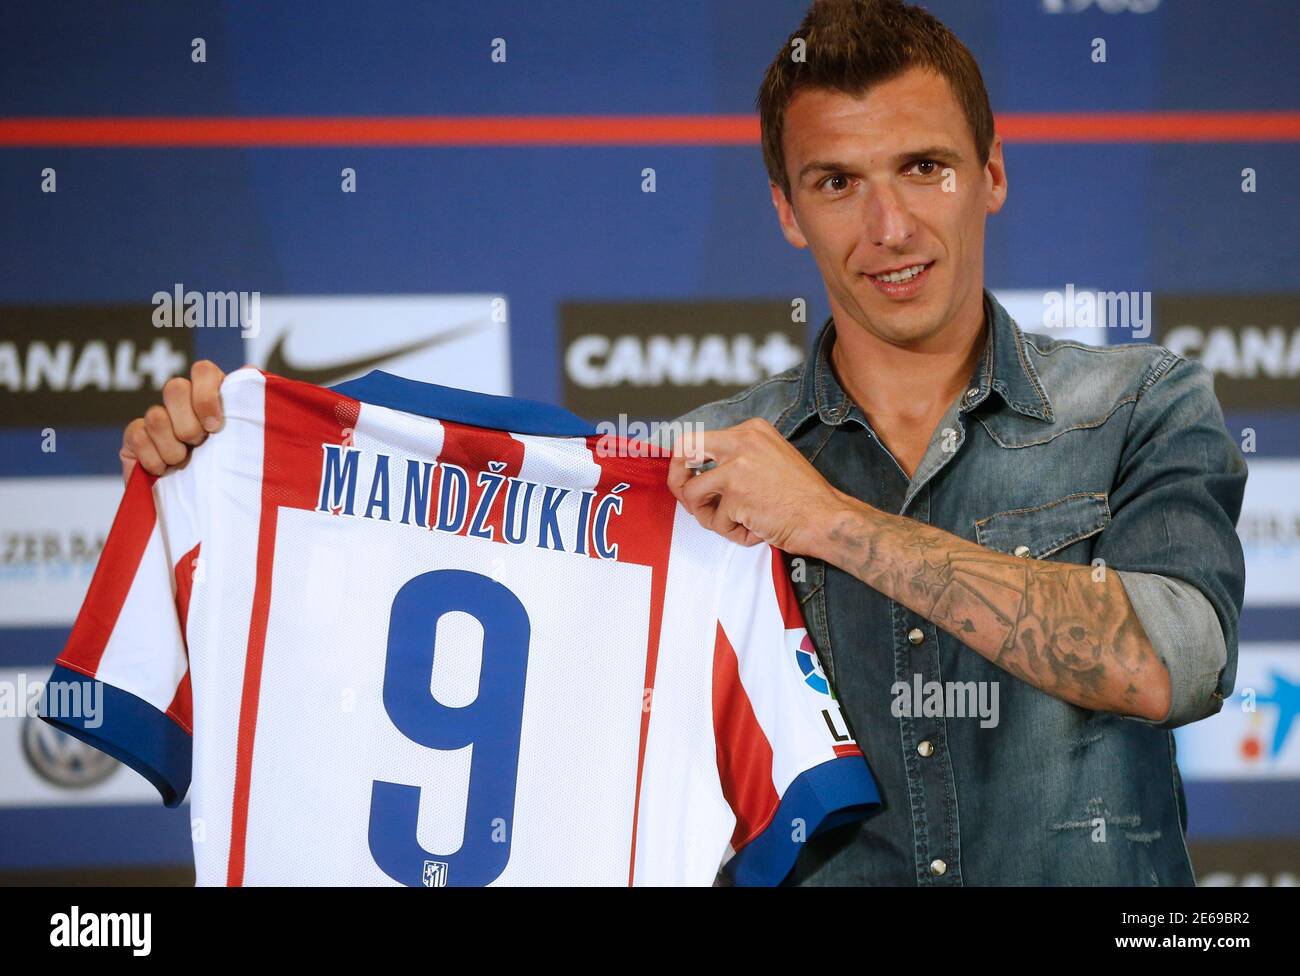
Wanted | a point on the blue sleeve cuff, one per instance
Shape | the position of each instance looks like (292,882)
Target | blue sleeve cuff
(837,792)
(126,727)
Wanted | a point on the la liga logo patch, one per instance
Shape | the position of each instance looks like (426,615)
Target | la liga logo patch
(805,655)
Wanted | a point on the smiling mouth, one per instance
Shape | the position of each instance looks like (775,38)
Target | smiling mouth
(901,275)
(902,284)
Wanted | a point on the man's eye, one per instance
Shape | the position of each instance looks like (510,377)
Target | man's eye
(933,167)
(831,179)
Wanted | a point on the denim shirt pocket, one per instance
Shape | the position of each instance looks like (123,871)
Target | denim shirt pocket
(1042,530)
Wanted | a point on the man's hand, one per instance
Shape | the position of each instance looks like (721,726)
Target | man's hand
(1051,624)
(762,489)
(163,437)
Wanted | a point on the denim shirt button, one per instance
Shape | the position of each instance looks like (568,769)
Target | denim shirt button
(938,866)
(972,394)
(1021,551)
(916,635)
(925,748)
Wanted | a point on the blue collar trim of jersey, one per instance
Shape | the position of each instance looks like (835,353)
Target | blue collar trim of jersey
(464,407)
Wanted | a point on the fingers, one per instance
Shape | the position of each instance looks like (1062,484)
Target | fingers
(686,445)
(689,453)
(713,518)
(191,409)
(719,445)
(702,496)
(678,475)
(700,446)
(138,446)
(700,490)
(126,454)
(158,424)
(185,422)
(205,394)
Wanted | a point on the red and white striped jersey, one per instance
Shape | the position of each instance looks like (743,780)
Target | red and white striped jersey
(393,633)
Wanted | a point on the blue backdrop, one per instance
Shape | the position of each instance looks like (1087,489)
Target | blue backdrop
(567,223)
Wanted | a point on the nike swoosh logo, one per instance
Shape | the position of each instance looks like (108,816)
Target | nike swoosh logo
(331,373)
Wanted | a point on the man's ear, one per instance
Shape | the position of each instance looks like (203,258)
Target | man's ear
(785,214)
(997,173)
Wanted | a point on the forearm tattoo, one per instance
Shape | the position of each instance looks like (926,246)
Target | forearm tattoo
(1061,627)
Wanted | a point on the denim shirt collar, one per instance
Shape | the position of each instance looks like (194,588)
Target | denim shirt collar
(1004,368)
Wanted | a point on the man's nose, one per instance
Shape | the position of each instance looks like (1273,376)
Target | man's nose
(889,222)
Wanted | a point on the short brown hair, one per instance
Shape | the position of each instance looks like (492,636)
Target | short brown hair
(854,44)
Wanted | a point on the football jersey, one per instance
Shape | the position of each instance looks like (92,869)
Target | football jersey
(395,633)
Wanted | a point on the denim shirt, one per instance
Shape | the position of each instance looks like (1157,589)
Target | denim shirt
(1116,457)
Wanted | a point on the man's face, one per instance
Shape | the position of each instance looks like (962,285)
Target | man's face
(884,181)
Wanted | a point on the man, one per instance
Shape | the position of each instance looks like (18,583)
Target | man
(1016,555)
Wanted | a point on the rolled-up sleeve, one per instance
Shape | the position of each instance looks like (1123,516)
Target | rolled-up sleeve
(1172,537)
(1185,632)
